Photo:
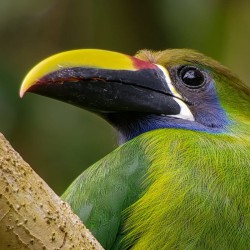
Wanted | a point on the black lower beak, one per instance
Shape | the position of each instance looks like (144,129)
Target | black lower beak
(105,91)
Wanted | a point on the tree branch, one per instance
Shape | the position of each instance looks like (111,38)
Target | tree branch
(32,216)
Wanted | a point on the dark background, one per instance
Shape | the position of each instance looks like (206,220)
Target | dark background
(59,140)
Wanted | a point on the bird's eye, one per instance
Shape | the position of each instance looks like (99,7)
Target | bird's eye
(192,76)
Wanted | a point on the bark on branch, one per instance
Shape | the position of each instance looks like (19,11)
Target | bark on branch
(32,216)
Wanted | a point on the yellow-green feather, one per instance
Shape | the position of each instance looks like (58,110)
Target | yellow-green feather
(198,197)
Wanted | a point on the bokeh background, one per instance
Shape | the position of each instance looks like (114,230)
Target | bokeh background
(59,140)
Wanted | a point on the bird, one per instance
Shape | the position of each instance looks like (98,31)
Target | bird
(180,176)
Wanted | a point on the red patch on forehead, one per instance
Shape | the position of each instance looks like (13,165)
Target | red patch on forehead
(139,64)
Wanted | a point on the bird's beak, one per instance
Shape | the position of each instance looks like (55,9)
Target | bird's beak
(103,81)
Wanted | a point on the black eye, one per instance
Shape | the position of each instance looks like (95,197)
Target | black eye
(192,77)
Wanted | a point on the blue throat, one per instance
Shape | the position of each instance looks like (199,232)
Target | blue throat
(133,124)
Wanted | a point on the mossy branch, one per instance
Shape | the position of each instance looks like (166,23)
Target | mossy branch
(32,216)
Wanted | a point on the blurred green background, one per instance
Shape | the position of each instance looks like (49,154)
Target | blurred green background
(59,140)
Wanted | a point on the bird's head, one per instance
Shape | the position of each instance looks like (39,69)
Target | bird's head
(176,88)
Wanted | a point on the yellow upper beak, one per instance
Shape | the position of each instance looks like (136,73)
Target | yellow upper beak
(81,58)
(104,82)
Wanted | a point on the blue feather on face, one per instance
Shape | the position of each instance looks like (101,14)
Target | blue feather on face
(209,115)
(207,110)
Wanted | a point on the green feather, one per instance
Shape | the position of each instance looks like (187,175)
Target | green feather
(198,197)
(104,190)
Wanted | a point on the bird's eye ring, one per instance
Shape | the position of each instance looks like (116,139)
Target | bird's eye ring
(192,77)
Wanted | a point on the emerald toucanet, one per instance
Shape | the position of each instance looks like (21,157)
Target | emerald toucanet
(181,176)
